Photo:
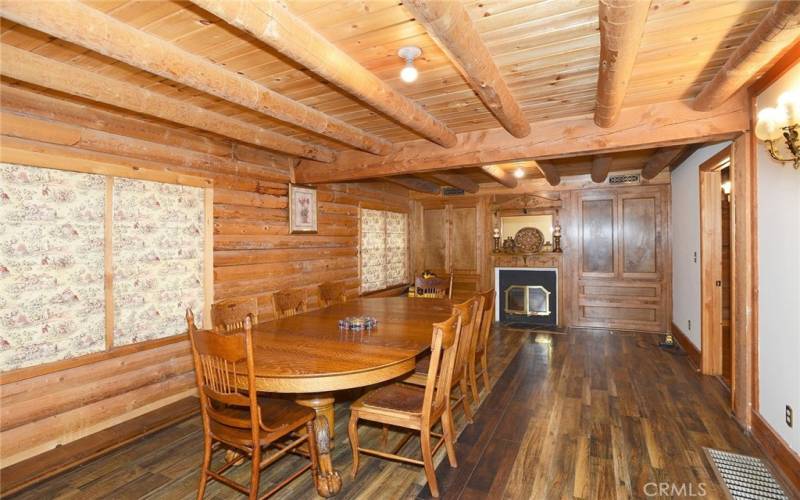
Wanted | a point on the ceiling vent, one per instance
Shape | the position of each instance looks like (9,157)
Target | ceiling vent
(615,180)
(451,191)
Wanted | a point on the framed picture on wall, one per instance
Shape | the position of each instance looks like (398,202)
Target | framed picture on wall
(302,209)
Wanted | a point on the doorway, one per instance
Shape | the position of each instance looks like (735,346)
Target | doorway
(716,267)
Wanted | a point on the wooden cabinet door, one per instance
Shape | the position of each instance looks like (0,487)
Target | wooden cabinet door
(639,232)
(434,227)
(597,235)
(463,238)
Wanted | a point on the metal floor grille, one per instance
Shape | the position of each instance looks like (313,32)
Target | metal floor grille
(745,477)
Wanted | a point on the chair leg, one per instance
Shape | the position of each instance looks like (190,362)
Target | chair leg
(473,382)
(201,488)
(427,459)
(484,364)
(465,399)
(448,434)
(385,436)
(255,472)
(352,431)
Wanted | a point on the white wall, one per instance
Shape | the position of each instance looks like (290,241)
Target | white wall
(779,280)
(686,242)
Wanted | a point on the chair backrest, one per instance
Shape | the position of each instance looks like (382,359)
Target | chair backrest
(289,302)
(228,315)
(332,293)
(444,349)
(220,361)
(486,321)
(434,287)
(468,311)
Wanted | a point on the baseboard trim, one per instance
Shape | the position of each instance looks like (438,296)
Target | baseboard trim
(786,461)
(692,352)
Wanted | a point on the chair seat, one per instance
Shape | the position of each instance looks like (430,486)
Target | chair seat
(278,417)
(395,397)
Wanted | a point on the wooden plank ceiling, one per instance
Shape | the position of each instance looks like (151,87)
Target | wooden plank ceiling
(547,53)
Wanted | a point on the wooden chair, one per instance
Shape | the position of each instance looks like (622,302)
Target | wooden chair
(240,420)
(228,315)
(480,345)
(434,287)
(468,312)
(332,293)
(289,302)
(415,408)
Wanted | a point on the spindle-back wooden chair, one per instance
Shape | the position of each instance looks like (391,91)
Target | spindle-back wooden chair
(332,293)
(287,303)
(415,408)
(434,287)
(480,344)
(228,315)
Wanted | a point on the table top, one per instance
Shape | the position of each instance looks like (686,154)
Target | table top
(309,353)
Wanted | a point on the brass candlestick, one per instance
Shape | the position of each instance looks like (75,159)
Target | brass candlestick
(496,236)
(557,238)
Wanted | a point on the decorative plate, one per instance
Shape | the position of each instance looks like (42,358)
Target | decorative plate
(529,239)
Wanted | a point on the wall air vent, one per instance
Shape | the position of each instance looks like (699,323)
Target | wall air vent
(624,179)
(451,191)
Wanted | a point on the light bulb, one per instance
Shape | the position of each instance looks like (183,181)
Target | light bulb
(726,187)
(519,173)
(770,122)
(409,73)
(789,103)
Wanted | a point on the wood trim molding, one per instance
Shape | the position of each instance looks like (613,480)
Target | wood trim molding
(786,461)
(777,70)
(692,352)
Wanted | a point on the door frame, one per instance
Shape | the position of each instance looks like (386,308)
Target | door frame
(711,261)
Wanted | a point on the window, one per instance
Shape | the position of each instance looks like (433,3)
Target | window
(92,260)
(384,249)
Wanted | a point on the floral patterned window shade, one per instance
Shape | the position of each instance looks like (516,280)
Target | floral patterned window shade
(92,262)
(158,258)
(384,237)
(52,302)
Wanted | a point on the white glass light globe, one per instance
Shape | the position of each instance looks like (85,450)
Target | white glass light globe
(770,122)
(409,73)
(789,102)
(519,173)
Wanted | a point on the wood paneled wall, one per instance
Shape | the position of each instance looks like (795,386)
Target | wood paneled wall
(253,256)
(616,240)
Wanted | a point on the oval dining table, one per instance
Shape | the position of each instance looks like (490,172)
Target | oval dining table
(310,356)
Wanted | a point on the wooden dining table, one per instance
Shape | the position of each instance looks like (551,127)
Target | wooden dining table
(310,356)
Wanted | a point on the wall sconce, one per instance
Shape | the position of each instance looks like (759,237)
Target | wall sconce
(782,121)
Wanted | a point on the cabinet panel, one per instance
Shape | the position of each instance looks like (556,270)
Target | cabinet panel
(464,245)
(435,230)
(597,236)
(639,233)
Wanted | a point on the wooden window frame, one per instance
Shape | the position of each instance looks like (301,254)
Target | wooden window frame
(110,169)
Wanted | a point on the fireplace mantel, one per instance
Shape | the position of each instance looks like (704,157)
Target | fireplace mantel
(542,259)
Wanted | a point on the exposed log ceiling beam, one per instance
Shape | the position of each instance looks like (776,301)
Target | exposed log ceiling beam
(415,184)
(639,127)
(31,68)
(80,24)
(601,165)
(272,23)
(660,160)
(497,173)
(450,26)
(549,171)
(686,153)
(458,181)
(621,26)
(777,32)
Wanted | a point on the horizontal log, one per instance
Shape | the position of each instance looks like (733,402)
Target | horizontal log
(638,127)
(37,70)
(68,20)
(244,257)
(501,175)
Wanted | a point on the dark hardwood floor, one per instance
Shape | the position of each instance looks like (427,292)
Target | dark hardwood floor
(588,414)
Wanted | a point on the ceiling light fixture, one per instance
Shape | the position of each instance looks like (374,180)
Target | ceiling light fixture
(519,173)
(409,73)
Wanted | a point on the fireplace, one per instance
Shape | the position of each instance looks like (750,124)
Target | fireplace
(527,295)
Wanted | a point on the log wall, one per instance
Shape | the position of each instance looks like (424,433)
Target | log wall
(253,256)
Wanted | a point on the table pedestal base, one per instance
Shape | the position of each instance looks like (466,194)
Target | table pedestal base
(327,481)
